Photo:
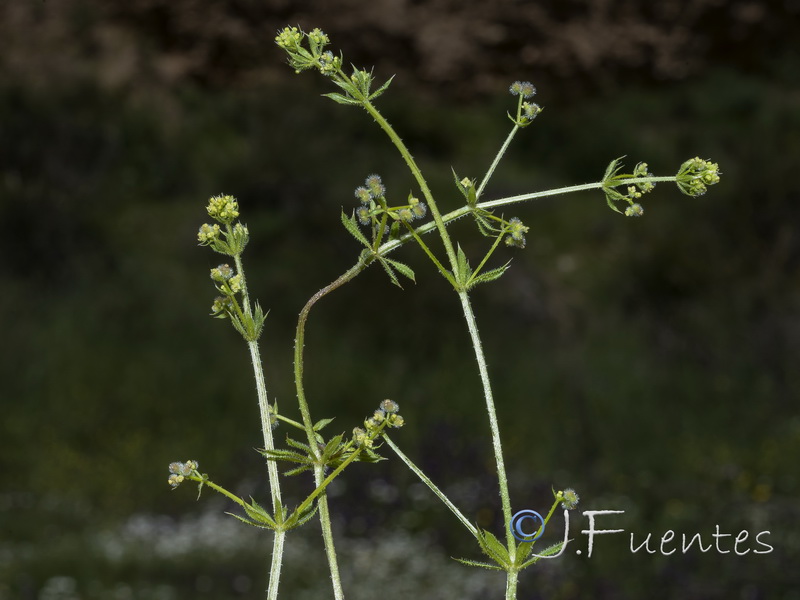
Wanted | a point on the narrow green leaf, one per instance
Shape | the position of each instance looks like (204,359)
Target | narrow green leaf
(339,99)
(286,455)
(613,167)
(332,446)
(259,515)
(249,522)
(549,551)
(297,519)
(389,272)
(307,514)
(472,196)
(490,275)
(493,548)
(381,89)
(464,272)
(476,563)
(299,445)
(322,423)
(403,269)
(460,187)
(610,199)
(297,470)
(352,227)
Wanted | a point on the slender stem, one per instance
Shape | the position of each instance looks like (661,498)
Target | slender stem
(275,565)
(424,478)
(276,560)
(219,489)
(496,160)
(492,414)
(274,482)
(463,211)
(477,270)
(266,422)
(415,171)
(512,577)
(299,344)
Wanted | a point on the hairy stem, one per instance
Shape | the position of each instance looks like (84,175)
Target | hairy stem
(276,560)
(496,160)
(426,480)
(505,499)
(417,173)
(308,425)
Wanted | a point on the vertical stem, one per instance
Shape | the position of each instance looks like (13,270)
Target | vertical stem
(492,413)
(272,468)
(511,584)
(415,171)
(299,344)
(266,422)
(276,560)
(275,566)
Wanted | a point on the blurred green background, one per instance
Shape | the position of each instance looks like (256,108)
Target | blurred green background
(646,363)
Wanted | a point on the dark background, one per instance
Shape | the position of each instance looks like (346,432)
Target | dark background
(651,364)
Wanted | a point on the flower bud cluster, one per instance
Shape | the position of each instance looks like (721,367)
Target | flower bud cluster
(372,196)
(314,56)
(516,233)
(180,471)
(233,239)
(526,111)
(385,416)
(695,175)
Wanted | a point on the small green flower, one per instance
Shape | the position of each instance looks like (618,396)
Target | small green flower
(363,214)
(363,195)
(223,209)
(516,233)
(530,110)
(221,273)
(329,63)
(634,210)
(420,209)
(222,306)
(235,283)
(375,186)
(390,406)
(289,38)
(695,175)
(405,214)
(179,471)
(569,498)
(522,88)
(208,234)
(395,421)
(318,38)
(360,438)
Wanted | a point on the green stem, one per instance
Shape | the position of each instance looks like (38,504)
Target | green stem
(424,478)
(415,171)
(459,213)
(493,424)
(512,577)
(219,489)
(299,343)
(496,160)
(276,560)
(477,270)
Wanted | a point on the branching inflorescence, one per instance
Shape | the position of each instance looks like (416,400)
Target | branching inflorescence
(382,223)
